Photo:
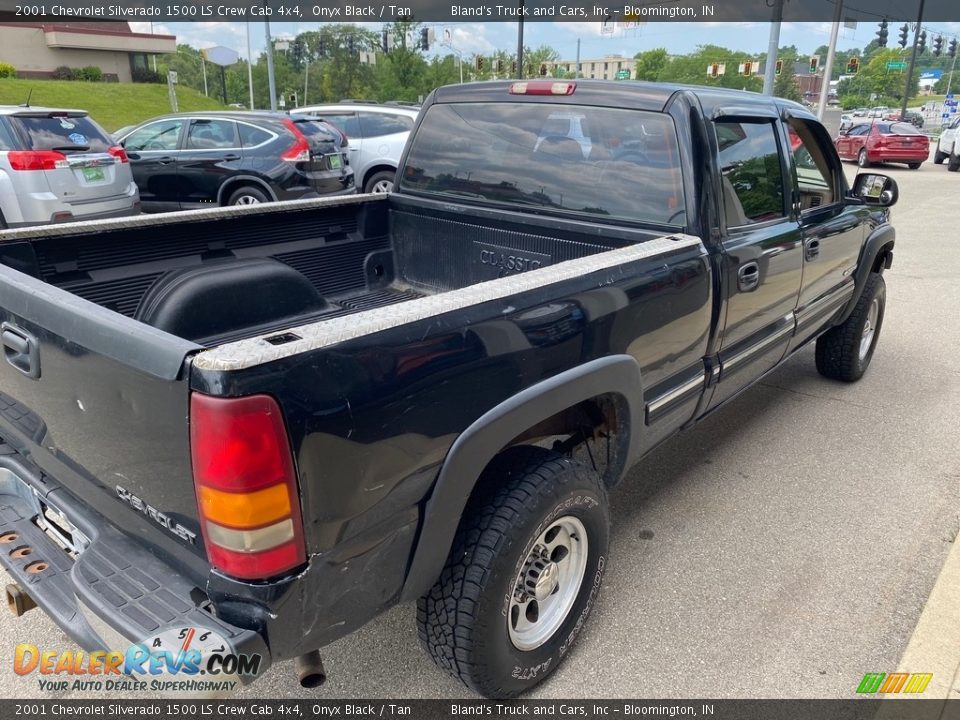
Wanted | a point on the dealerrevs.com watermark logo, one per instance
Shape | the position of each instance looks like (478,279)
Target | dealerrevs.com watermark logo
(188,659)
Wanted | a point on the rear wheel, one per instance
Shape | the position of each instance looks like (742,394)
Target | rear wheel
(914,166)
(248,195)
(862,158)
(522,575)
(844,352)
(381,182)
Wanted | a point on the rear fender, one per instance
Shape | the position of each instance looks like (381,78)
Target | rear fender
(617,375)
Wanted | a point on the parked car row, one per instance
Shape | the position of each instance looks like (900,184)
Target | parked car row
(58,165)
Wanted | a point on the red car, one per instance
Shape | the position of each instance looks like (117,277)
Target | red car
(883,141)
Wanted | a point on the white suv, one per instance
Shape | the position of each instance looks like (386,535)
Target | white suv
(947,146)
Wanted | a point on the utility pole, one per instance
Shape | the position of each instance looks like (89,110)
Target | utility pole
(271,79)
(520,42)
(306,72)
(913,60)
(828,68)
(773,47)
(576,73)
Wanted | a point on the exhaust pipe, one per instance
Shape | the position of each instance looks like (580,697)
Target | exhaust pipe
(18,602)
(310,670)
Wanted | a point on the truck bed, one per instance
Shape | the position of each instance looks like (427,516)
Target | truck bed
(357,253)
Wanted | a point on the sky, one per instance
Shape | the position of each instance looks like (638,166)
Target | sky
(485,38)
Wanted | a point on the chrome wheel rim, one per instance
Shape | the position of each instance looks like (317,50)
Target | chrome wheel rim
(862,158)
(247,200)
(382,186)
(547,586)
(869,328)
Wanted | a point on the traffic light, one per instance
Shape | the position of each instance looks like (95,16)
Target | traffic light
(938,46)
(853,66)
(478,63)
(952,48)
(425,39)
(385,41)
(904,31)
(513,68)
(779,69)
(882,34)
(498,66)
(814,64)
(713,69)
(322,48)
(543,69)
(922,42)
(351,44)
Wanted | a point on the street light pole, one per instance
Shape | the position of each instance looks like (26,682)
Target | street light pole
(828,67)
(520,42)
(773,47)
(249,66)
(913,60)
(271,80)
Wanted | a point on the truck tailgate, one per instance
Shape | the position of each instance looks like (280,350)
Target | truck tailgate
(100,403)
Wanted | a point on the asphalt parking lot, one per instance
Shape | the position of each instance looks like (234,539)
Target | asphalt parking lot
(781,549)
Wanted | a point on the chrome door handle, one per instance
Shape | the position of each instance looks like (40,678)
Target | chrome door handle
(748,277)
(812,250)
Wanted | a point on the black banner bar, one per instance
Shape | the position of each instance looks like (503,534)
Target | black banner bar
(188,709)
(625,11)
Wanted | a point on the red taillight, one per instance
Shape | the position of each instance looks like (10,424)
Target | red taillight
(118,152)
(542,87)
(300,150)
(246,486)
(37,160)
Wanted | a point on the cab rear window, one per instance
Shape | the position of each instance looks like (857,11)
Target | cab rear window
(563,159)
(66,134)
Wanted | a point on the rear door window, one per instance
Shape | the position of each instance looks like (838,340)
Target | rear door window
(208,134)
(374,124)
(65,134)
(752,175)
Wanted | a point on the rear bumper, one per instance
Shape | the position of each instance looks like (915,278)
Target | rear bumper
(898,156)
(115,593)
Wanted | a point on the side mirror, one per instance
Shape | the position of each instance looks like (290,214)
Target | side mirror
(876,189)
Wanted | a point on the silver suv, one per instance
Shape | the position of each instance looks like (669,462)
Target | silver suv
(58,166)
(377,135)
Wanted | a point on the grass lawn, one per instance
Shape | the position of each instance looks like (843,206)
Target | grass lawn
(112,105)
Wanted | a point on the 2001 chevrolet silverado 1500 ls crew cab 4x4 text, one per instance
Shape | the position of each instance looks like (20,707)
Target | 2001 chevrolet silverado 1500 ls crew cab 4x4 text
(275,423)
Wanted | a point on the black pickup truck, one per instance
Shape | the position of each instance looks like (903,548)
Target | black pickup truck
(268,425)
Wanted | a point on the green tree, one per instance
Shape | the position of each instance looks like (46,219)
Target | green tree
(692,68)
(650,64)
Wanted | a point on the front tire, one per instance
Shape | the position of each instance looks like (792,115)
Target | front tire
(939,157)
(954,163)
(522,575)
(862,160)
(844,352)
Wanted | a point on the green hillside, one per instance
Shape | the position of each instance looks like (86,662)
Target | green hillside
(112,105)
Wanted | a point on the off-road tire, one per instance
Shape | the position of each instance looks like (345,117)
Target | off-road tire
(939,157)
(838,353)
(463,620)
